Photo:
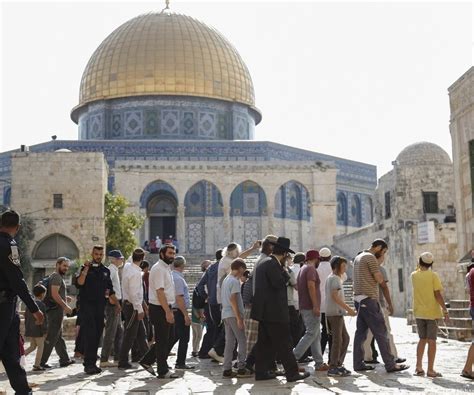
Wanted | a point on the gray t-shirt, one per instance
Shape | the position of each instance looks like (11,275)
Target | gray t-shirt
(333,282)
(57,279)
(231,285)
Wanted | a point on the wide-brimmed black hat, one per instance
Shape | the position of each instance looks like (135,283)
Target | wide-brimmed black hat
(283,243)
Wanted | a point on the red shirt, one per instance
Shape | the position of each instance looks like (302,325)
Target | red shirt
(470,283)
(308,273)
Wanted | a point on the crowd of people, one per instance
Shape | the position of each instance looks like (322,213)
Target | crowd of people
(287,310)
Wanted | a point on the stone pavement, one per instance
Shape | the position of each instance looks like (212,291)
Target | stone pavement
(207,377)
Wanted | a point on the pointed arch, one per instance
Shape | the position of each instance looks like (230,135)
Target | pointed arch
(248,199)
(203,199)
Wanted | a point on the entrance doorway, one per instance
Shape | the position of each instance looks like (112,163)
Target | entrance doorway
(162,210)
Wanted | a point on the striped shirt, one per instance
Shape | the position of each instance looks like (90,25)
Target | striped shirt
(365,268)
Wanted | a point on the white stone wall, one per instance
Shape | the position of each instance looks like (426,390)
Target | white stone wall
(461,97)
(82,180)
(132,177)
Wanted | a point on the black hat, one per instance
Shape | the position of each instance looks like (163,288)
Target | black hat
(283,243)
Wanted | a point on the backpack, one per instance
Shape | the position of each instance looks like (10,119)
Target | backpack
(198,301)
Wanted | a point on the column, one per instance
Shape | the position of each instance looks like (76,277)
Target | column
(181,229)
(228,231)
(271,217)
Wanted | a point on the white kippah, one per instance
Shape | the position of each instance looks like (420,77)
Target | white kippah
(325,252)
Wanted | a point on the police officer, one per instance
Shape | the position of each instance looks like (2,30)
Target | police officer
(95,285)
(12,285)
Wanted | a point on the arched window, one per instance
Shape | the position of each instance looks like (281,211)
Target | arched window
(248,199)
(203,199)
(54,246)
(341,209)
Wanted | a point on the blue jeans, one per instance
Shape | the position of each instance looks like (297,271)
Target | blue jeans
(311,338)
(370,316)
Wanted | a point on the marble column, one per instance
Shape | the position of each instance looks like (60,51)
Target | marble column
(181,229)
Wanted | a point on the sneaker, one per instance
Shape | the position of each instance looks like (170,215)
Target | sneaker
(244,373)
(38,368)
(107,364)
(168,375)
(184,367)
(324,367)
(148,368)
(214,355)
(92,370)
(229,374)
(335,372)
(67,363)
(346,372)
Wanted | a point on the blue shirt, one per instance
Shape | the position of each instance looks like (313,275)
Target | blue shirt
(181,288)
(230,286)
(209,279)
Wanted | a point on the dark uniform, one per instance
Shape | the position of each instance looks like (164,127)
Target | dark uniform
(12,285)
(92,294)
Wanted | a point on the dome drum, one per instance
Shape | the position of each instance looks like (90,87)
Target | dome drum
(172,118)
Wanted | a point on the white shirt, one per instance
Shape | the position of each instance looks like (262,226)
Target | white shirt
(161,277)
(222,271)
(132,286)
(324,271)
(295,268)
(114,276)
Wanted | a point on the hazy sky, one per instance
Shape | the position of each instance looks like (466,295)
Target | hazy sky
(355,80)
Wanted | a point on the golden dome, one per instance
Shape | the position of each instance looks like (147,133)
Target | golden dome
(166,54)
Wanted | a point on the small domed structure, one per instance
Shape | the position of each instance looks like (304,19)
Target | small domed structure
(63,150)
(422,154)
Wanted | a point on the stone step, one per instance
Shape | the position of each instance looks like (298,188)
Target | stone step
(458,304)
(459,313)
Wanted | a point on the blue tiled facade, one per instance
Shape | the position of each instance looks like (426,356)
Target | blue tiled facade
(248,200)
(166,118)
(203,199)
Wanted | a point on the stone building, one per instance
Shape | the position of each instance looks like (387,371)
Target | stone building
(414,212)
(461,99)
(170,104)
(68,212)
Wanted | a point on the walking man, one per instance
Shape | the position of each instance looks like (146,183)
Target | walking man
(309,295)
(270,309)
(207,288)
(134,309)
(56,307)
(95,285)
(13,285)
(113,321)
(162,296)
(367,278)
(182,321)
(324,271)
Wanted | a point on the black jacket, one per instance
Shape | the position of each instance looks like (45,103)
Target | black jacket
(270,302)
(11,276)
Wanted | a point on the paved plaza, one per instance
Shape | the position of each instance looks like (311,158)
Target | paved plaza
(207,378)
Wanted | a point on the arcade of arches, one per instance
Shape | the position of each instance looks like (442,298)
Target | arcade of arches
(204,220)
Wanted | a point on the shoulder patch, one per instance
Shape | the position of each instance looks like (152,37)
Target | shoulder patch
(14,256)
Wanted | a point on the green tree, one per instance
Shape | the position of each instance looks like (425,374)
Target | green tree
(119,225)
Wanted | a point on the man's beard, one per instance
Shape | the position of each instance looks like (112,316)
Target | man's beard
(378,255)
(62,272)
(96,263)
(168,260)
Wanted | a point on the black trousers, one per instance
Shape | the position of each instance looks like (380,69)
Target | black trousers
(163,331)
(274,336)
(210,335)
(326,338)
(295,326)
(181,335)
(10,347)
(134,331)
(92,325)
(219,343)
